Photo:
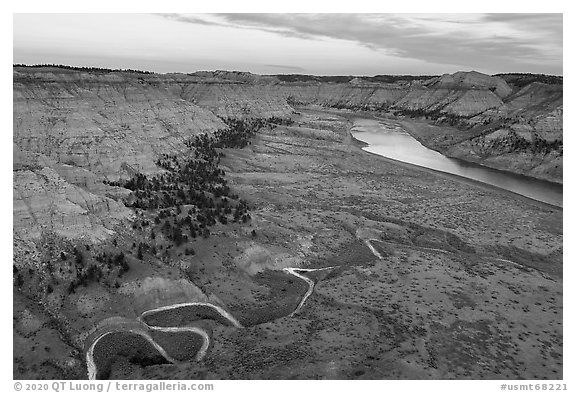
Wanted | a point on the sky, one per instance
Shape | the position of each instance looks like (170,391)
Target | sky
(288,43)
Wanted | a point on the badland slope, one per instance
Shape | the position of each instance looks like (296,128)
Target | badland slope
(84,127)
(514,125)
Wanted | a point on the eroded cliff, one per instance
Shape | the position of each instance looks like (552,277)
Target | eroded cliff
(84,127)
(514,125)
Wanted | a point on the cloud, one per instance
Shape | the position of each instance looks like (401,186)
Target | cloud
(286,68)
(545,21)
(484,41)
(201,19)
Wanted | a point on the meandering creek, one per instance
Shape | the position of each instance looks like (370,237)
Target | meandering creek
(144,326)
(141,331)
(294,271)
(388,139)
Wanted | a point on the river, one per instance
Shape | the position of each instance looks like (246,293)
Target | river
(390,140)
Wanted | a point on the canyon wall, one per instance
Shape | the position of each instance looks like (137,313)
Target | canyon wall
(514,125)
(74,129)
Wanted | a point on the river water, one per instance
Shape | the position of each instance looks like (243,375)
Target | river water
(388,139)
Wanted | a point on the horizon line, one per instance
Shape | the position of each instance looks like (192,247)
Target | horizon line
(88,68)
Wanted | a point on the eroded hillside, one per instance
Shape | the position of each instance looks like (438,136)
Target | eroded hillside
(514,125)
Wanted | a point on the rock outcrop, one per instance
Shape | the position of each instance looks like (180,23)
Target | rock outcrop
(108,124)
(44,201)
(73,130)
